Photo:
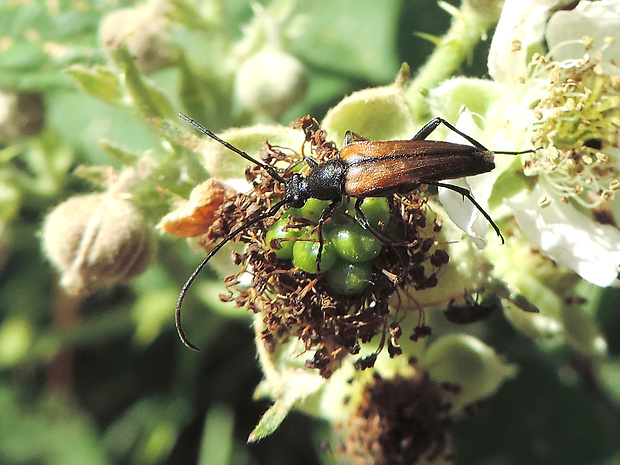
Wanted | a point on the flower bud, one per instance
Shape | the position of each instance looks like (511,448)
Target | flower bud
(271,82)
(97,239)
(194,217)
(466,362)
(377,113)
(21,115)
(143,29)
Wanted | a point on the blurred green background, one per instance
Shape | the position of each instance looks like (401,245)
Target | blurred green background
(104,379)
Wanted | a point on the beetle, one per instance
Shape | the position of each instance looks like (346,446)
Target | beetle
(471,310)
(364,168)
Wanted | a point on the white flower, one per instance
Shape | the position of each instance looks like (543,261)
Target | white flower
(578,120)
(598,20)
(565,105)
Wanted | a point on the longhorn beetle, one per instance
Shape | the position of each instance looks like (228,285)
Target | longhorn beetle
(362,169)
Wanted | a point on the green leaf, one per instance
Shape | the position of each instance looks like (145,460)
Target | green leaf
(63,434)
(609,377)
(98,82)
(23,56)
(582,331)
(121,153)
(272,418)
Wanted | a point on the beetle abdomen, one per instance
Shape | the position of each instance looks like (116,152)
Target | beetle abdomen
(374,168)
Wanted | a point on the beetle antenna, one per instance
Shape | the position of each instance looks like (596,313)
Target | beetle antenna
(270,169)
(516,153)
(272,211)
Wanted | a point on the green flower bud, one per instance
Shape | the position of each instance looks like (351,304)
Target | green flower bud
(95,240)
(468,363)
(270,82)
(21,115)
(378,113)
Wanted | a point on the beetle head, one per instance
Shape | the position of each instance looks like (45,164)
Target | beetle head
(296,194)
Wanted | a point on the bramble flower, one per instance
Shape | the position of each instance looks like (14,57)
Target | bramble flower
(310,339)
(565,106)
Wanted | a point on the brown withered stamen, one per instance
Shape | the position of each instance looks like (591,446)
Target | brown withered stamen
(399,421)
(301,305)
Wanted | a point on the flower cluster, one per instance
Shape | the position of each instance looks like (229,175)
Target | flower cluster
(355,306)
(555,204)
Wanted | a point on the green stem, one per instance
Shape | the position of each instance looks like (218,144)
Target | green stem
(468,27)
(150,101)
(113,324)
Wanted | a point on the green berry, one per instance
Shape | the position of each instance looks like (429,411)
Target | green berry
(312,210)
(280,230)
(376,210)
(349,278)
(306,252)
(352,242)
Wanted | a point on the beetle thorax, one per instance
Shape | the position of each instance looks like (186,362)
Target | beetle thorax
(326,181)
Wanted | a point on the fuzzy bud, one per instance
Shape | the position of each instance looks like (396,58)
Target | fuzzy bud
(466,362)
(21,115)
(97,239)
(270,82)
(143,29)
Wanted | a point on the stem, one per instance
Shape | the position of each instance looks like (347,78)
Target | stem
(468,27)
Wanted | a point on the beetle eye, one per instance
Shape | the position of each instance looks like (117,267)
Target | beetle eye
(296,201)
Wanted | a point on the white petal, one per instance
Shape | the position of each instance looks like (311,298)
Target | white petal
(463,213)
(522,20)
(569,237)
(598,20)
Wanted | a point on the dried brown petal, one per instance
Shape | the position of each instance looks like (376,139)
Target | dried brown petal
(195,217)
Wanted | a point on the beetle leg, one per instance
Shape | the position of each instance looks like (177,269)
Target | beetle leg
(434,124)
(360,216)
(311,162)
(426,130)
(350,138)
(467,193)
(326,213)
(363,221)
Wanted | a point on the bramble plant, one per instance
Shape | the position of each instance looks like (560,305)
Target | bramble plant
(419,340)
